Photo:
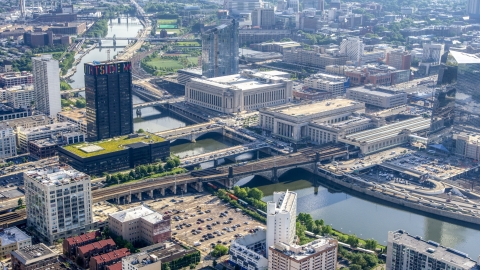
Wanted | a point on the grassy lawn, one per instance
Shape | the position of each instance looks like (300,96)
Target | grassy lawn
(166,21)
(166,63)
(169,63)
(188,44)
(176,31)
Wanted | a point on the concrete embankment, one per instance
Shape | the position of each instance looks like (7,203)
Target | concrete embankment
(350,183)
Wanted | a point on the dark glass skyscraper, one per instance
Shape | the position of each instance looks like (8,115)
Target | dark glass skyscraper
(108,91)
(220,50)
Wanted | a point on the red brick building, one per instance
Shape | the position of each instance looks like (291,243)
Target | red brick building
(84,253)
(115,266)
(100,262)
(70,244)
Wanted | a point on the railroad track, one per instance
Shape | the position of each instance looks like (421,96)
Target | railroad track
(12,217)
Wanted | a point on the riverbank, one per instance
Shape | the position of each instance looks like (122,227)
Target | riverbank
(72,71)
(357,185)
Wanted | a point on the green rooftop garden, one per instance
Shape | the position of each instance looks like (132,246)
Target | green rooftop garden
(110,145)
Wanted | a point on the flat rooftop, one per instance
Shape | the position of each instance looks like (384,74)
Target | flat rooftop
(297,252)
(85,149)
(316,107)
(247,80)
(12,235)
(434,250)
(77,115)
(373,92)
(136,213)
(48,128)
(259,235)
(56,175)
(33,253)
(369,136)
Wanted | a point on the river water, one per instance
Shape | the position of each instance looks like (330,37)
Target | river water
(369,218)
(126,28)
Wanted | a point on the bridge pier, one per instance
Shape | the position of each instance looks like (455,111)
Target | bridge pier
(139,196)
(150,193)
(274,175)
(215,163)
(174,189)
(184,188)
(162,191)
(128,198)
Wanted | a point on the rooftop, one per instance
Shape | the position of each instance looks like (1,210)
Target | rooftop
(297,252)
(47,128)
(12,235)
(137,212)
(140,260)
(80,239)
(111,256)
(316,107)
(115,266)
(56,175)
(465,58)
(30,254)
(167,251)
(111,145)
(373,91)
(434,250)
(96,245)
(252,238)
(380,133)
(27,121)
(247,80)
(76,115)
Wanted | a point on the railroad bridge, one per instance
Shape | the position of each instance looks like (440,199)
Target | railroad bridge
(271,168)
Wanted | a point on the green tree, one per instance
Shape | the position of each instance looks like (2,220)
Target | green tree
(327,229)
(371,244)
(354,267)
(353,240)
(319,222)
(140,130)
(80,103)
(219,251)
(371,260)
(241,193)
(177,161)
(20,202)
(170,164)
(255,193)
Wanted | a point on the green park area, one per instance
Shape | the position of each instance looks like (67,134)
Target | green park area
(168,63)
(168,24)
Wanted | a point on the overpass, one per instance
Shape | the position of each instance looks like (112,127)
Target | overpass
(226,153)
(156,103)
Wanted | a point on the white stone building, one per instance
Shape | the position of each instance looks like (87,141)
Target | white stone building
(20,96)
(47,84)
(8,141)
(328,83)
(292,122)
(246,91)
(281,218)
(59,202)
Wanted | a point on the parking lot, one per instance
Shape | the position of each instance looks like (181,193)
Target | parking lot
(197,219)
(205,221)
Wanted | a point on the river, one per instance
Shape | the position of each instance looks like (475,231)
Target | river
(122,29)
(369,218)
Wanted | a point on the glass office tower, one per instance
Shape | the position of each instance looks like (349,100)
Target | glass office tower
(108,92)
(220,50)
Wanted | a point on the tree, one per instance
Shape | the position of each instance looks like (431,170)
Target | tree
(140,130)
(327,229)
(159,168)
(242,193)
(319,223)
(354,267)
(177,161)
(20,202)
(169,165)
(353,240)
(219,251)
(371,244)
(255,193)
